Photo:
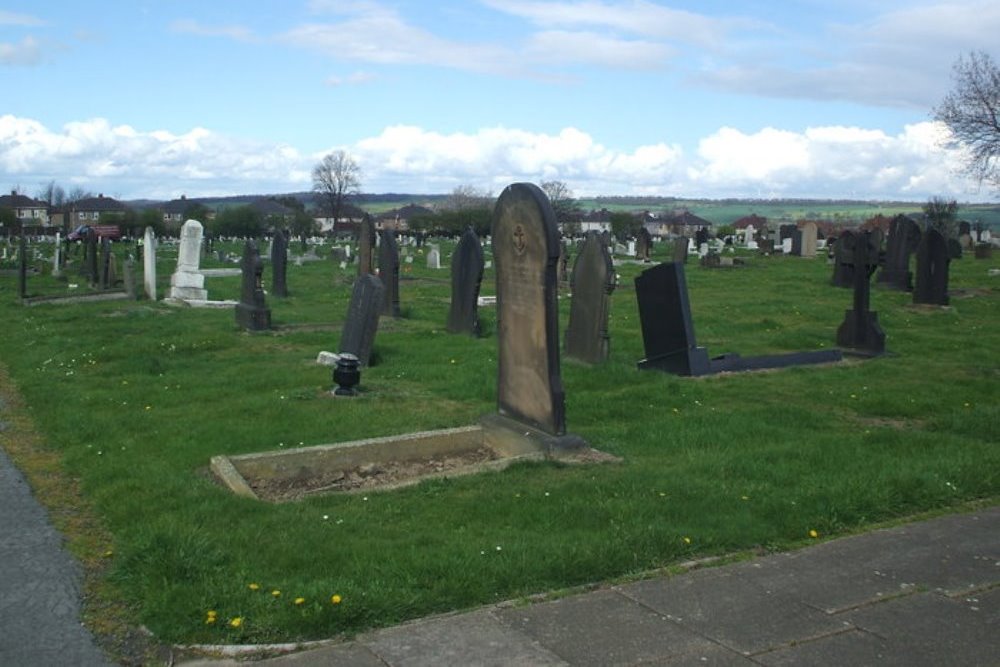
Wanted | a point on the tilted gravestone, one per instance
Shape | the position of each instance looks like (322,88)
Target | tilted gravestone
(525,254)
(279,264)
(644,245)
(366,246)
(252,312)
(932,269)
(361,323)
(668,331)
(187,282)
(843,260)
(593,281)
(466,278)
(904,238)
(388,271)
(860,329)
(149,263)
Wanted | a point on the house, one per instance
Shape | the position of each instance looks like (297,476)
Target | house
(350,216)
(596,221)
(88,210)
(758,221)
(269,209)
(676,223)
(174,210)
(28,211)
(399,218)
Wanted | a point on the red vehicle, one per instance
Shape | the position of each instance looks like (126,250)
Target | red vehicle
(103,231)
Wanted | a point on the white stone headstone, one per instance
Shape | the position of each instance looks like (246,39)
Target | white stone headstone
(149,263)
(786,245)
(187,283)
(57,257)
(630,250)
(434,259)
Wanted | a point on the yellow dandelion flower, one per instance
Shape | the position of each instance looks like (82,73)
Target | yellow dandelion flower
(335,599)
(276,593)
(300,600)
(813,533)
(254,587)
(236,622)
(687,540)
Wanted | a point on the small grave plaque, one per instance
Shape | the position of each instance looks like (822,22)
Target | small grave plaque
(587,337)
(466,278)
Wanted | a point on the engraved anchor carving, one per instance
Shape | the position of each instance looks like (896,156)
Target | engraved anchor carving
(519,242)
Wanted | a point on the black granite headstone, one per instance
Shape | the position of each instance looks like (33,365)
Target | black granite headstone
(932,269)
(279,264)
(366,247)
(786,232)
(363,313)
(252,312)
(860,329)
(587,337)
(904,238)
(797,242)
(466,277)
(700,237)
(90,266)
(388,271)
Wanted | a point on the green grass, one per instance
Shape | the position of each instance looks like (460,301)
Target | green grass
(135,397)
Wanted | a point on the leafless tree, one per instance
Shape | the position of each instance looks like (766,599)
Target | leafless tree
(563,204)
(52,194)
(336,177)
(943,215)
(468,197)
(972,113)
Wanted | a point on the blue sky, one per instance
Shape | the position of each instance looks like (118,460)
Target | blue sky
(709,99)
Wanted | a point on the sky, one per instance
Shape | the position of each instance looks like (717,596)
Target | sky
(806,99)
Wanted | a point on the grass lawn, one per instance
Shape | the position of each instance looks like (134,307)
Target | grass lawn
(131,399)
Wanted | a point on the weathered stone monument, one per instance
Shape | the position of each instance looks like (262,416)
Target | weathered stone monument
(361,323)
(808,240)
(252,312)
(279,264)
(57,257)
(388,271)
(466,278)
(107,265)
(187,283)
(904,238)
(128,278)
(434,258)
(860,330)
(933,260)
(149,263)
(668,331)
(644,244)
(843,261)
(593,281)
(366,246)
(680,253)
(90,267)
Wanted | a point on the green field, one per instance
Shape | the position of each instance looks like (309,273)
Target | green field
(129,400)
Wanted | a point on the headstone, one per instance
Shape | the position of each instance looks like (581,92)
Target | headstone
(965,240)
(107,264)
(252,312)
(809,231)
(964,228)
(932,269)
(90,267)
(366,246)
(564,252)
(954,249)
(22,267)
(388,270)
(279,264)
(187,283)
(630,248)
(786,231)
(843,260)
(149,263)
(680,249)
(644,245)
(128,275)
(765,246)
(361,322)
(57,257)
(593,281)
(904,238)
(787,245)
(701,236)
(466,278)
(525,252)
(860,329)
(434,259)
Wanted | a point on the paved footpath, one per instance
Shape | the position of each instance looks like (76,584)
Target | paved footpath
(39,585)
(926,593)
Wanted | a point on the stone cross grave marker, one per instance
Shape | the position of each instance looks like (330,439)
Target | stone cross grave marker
(388,270)
(904,238)
(525,254)
(593,281)
(860,329)
(466,279)
(252,312)
(361,323)
(279,264)
(933,259)
(149,263)
(843,260)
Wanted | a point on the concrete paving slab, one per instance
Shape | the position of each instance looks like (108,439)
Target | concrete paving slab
(603,628)
(725,606)
(854,647)
(712,655)
(986,603)
(477,638)
(931,629)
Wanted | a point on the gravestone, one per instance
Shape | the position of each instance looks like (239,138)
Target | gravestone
(91,269)
(149,263)
(128,278)
(701,237)
(954,249)
(668,331)
(964,228)
(466,278)
(904,238)
(564,253)
(22,267)
(644,245)
(680,249)
(361,323)
(388,270)
(434,259)
(860,329)
(765,246)
(366,246)
(187,283)
(786,231)
(107,264)
(932,269)
(593,281)
(279,264)
(796,243)
(57,258)
(843,260)
(252,312)
(525,253)
(808,248)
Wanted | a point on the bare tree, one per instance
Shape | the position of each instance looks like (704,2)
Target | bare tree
(468,197)
(336,177)
(76,194)
(563,204)
(972,113)
(52,194)
(942,215)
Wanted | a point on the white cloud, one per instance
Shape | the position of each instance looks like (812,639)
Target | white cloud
(25,20)
(825,162)
(236,32)
(352,79)
(27,52)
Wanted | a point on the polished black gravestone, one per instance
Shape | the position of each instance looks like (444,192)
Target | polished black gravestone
(587,337)
(252,312)
(903,240)
(525,241)
(933,259)
(668,331)
(363,313)
(681,249)
(860,330)
(466,278)
(843,260)
(366,246)
(643,245)
(279,264)
(388,271)
(797,242)
(786,232)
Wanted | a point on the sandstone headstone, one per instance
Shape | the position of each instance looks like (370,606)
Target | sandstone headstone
(593,281)
(388,271)
(809,231)
(149,263)
(361,323)
(466,279)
